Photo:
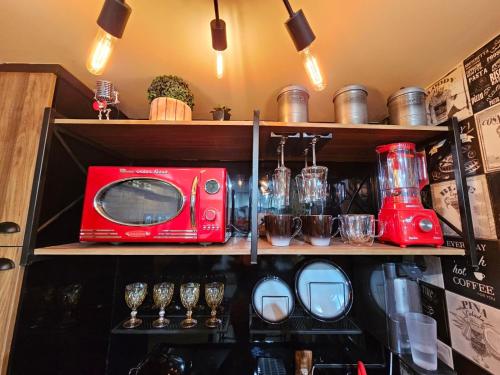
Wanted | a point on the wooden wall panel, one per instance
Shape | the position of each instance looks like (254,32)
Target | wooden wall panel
(23,97)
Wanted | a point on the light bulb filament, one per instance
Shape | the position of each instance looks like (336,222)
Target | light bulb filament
(219,64)
(312,69)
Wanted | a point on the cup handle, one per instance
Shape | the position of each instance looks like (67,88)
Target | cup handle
(338,229)
(380,228)
(299,226)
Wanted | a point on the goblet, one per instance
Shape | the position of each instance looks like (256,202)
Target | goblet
(162,295)
(134,296)
(214,292)
(190,292)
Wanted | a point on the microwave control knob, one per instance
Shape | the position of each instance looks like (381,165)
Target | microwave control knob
(425,225)
(210,214)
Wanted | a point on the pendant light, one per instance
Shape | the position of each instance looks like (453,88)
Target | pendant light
(219,41)
(302,35)
(111,25)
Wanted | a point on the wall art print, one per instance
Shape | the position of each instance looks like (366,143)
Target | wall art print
(448,97)
(475,331)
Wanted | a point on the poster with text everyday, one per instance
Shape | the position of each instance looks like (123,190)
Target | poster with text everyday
(475,331)
(488,127)
(481,284)
(445,202)
(448,97)
(482,70)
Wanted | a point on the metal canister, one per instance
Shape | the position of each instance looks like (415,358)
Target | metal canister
(293,104)
(350,105)
(407,107)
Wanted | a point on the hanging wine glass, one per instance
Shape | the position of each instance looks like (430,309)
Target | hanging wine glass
(281,180)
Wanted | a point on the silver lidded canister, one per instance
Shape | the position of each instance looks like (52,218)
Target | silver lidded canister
(350,105)
(293,104)
(407,107)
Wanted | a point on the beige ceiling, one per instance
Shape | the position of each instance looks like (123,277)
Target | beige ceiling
(383,44)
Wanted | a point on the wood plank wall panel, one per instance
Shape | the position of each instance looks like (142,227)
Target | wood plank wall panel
(10,289)
(23,97)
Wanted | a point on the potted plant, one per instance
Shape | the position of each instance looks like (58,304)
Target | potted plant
(221,113)
(170,99)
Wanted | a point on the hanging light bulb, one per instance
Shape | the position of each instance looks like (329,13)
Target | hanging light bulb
(219,40)
(312,69)
(219,62)
(302,36)
(112,21)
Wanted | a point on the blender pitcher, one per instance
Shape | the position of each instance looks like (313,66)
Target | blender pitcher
(402,173)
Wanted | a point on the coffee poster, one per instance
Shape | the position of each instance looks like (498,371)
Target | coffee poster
(482,284)
(475,331)
(482,70)
(434,305)
(445,202)
(488,125)
(439,158)
(448,97)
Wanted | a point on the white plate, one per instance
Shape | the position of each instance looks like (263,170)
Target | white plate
(272,299)
(324,290)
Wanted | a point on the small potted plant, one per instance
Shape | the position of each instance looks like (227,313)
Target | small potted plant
(221,113)
(170,99)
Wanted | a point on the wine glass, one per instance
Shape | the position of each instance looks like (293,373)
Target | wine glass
(162,295)
(134,296)
(214,292)
(190,292)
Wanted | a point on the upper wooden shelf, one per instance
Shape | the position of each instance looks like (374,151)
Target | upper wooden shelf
(232,140)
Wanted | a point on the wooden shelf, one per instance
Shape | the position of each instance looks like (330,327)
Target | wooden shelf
(350,143)
(235,246)
(339,248)
(232,140)
(239,246)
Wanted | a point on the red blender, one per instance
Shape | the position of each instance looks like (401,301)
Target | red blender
(402,173)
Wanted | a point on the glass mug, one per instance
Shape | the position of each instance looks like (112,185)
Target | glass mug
(358,229)
(280,229)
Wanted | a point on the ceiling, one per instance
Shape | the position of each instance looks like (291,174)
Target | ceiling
(383,44)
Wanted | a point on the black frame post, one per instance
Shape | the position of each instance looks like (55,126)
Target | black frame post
(255,188)
(38,185)
(463,193)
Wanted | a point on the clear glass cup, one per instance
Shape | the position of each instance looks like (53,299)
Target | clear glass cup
(214,292)
(134,297)
(162,295)
(422,331)
(315,183)
(281,186)
(358,229)
(190,293)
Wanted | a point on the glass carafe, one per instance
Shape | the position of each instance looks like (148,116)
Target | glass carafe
(402,173)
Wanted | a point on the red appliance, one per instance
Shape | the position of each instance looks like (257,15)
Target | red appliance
(141,204)
(402,173)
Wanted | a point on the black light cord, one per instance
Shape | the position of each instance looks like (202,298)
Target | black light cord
(216,7)
(288,8)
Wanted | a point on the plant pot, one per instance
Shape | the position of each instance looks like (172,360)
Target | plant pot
(218,115)
(227,116)
(169,109)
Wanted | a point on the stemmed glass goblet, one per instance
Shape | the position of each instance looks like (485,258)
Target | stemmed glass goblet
(162,295)
(214,292)
(134,296)
(190,292)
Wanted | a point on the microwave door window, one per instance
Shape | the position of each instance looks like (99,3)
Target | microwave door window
(140,202)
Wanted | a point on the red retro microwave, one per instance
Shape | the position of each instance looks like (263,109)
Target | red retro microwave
(142,204)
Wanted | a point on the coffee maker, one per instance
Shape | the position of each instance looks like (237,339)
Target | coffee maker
(402,173)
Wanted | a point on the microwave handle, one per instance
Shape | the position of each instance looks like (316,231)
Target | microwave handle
(194,190)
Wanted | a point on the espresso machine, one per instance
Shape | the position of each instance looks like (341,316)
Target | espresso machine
(402,173)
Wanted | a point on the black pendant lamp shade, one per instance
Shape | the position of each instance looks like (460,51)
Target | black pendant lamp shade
(114,16)
(218,28)
(300,30)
